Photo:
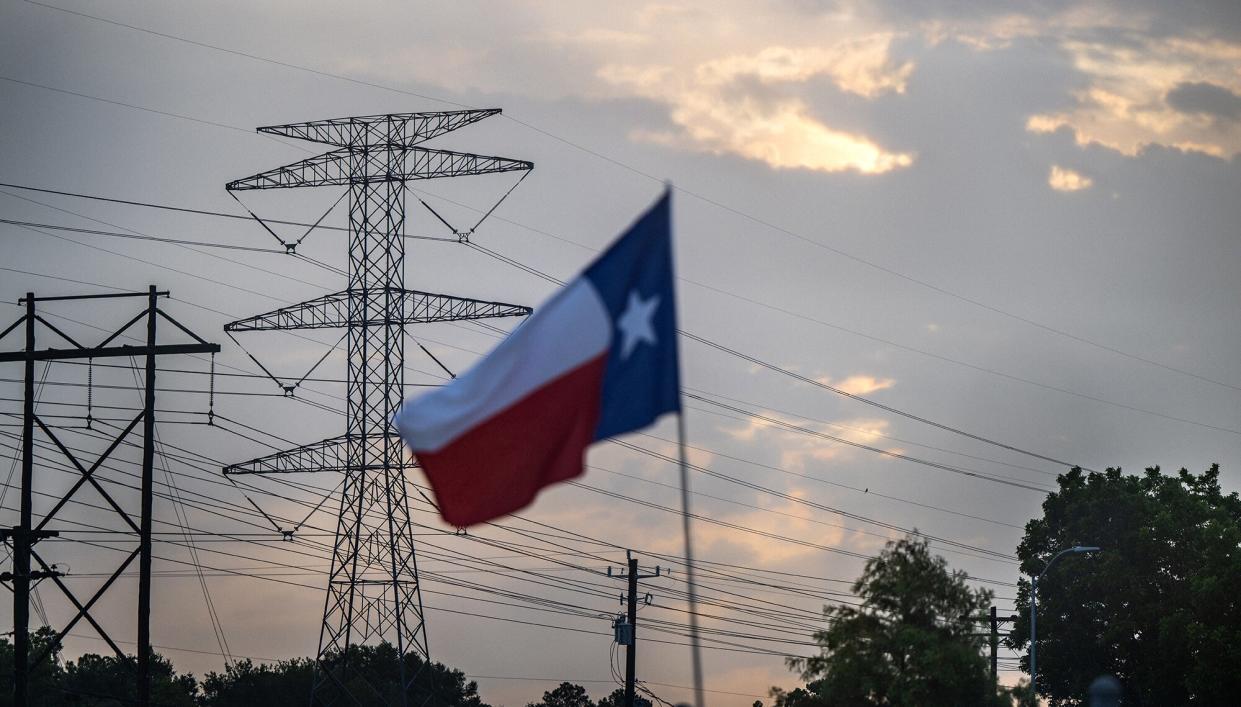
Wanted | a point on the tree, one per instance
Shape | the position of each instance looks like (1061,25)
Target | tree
(566,694)
(1157,607)
(617,699)
(44,678)
(92,680)
(109,680)
(282,684)
(807,696)
(910,642)
(373,678)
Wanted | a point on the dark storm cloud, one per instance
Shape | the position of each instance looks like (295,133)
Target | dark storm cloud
(1205,99)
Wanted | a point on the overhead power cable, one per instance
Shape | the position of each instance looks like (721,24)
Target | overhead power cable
(651,177)
(636,448)
(134,236)
(203,212)
(535,272)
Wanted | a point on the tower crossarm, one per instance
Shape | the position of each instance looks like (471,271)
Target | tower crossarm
(332,311)
(395,130)
(327,455)
(381,164)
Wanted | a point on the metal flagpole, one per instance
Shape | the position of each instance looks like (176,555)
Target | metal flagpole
(689,564)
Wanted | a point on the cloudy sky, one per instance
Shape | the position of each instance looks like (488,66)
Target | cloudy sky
(1016,220)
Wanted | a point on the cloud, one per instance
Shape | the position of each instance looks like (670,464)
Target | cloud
(861,66)
(859,384)
(798,450)
(1064,179)
(594,36)
(1138,92)
(1149,73)
(789,519)
(718,105)
(1205,98)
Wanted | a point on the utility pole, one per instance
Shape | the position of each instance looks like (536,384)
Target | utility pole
(631,634)
(993,638)
(995,647)
(27,533)
(373,591)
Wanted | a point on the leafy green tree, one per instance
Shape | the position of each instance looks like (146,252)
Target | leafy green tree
(1157,607)
(373,677)
(282,684)
(807,696)
(910,643)
(92,680)
(566,694)
(617,699)
(44,679)
(109,680)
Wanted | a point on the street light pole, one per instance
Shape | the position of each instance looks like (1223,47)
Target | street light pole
(1034,611)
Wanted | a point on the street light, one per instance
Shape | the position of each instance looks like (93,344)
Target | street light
(1076,549)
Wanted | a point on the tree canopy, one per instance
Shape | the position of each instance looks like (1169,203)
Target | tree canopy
(1157,607)
(911,642)
(569,694)
(99,681)
(93,680)
(617,699)
(566,694)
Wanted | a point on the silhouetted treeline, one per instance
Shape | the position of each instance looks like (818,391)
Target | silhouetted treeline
(369,672)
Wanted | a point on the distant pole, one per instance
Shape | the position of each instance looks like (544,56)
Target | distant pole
(631,651)
(631,641)
(995,645)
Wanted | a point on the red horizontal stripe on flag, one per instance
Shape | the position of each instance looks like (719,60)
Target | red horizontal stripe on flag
(499,466)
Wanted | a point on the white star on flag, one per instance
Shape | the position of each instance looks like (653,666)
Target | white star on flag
(635,323)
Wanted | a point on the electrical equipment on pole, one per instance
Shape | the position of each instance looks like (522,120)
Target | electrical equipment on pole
(628,628)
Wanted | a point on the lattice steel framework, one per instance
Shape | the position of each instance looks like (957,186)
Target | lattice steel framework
(373,590)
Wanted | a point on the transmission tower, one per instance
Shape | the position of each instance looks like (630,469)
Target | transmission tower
(373,589)
(32,528)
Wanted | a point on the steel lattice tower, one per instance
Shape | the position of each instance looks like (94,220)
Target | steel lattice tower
(373,590)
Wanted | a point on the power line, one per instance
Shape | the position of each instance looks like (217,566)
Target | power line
(635,448)
(537,273)
(94,232)
(705,199)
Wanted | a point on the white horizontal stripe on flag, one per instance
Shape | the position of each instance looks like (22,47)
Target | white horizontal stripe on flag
(569,330)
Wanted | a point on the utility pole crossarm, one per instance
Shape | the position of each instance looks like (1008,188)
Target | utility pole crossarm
(389,164)
(332,311)
(395,130)
(328,455)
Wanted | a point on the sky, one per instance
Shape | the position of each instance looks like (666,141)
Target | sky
(1017,221)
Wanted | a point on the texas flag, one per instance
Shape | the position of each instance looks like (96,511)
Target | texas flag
(596,360)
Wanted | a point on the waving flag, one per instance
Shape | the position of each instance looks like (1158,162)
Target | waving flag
(596,360)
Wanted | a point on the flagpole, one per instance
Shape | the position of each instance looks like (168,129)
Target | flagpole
(689,565)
